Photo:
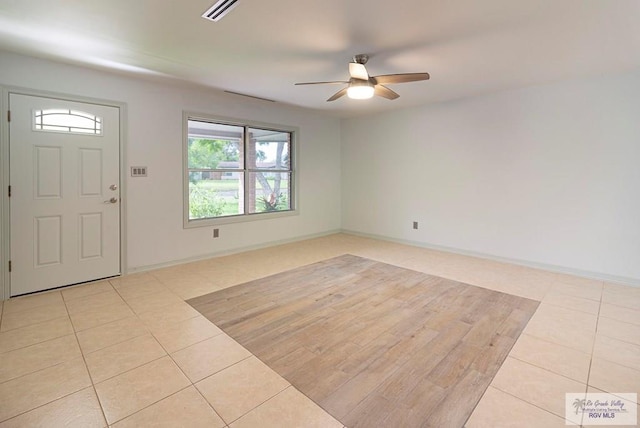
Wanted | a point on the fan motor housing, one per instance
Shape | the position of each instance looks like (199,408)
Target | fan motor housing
(361,58)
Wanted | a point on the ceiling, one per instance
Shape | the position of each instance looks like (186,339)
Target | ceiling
(261,48)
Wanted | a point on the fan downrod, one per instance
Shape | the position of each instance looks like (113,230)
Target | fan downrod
(361,58)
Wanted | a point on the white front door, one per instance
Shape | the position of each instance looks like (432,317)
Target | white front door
(65,192)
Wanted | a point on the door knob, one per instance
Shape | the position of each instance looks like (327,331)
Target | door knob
(111,201)
(113,187)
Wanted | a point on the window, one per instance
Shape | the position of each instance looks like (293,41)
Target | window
(236,172)
(65,120)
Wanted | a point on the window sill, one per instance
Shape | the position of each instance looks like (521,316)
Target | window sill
(205,222)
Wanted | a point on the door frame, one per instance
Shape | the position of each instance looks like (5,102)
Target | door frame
(5,220)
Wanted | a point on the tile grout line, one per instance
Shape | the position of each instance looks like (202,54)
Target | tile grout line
(573,309)
(48,402)
(234,364)
(146,407)
(115,343)
(526,362)
(193,384)
(209,404)
(542,339)
(593,347)
(5,314)
(546,369)
(272,397)
(623,341)
(168,354)
(42,341)
(149,332)
(621,321)
(86,366)
(636,309)
(294,387)
(58,364)
(126,371)
(529,403)
(635,369)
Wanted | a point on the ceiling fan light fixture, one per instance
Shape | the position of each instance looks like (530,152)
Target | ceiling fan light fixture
(362,86)
(360,90)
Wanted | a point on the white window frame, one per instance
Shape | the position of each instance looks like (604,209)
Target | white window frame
(293,157)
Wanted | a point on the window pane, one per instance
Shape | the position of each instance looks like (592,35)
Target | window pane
(269,191)
(215,194)
(214,145)
(268,149)
(64,120)
(213,154)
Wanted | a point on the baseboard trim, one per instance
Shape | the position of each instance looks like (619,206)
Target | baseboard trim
(634,282)
(146,268)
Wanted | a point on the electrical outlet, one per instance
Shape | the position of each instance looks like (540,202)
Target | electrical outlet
(415,225)
(216,233)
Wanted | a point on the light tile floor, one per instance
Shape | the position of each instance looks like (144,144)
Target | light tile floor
(130,352)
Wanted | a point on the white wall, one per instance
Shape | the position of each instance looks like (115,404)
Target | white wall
(547,174)
(154,138)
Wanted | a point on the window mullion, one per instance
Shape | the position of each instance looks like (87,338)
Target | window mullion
(246,174)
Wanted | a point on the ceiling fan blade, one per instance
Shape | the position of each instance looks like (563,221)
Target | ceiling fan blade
(386,79)
(358,71)
(334,82)
(338,94)
(384,92)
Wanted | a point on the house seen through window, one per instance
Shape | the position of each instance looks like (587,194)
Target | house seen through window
(236,170)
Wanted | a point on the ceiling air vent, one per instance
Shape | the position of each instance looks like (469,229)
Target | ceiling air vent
(219,10)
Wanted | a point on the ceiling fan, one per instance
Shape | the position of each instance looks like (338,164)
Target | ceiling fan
(362,86)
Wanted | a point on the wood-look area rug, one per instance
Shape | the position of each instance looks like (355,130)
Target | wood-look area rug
(373,344)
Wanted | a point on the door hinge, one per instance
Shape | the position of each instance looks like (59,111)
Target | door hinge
(8,115)
(9,265)
(9,191)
